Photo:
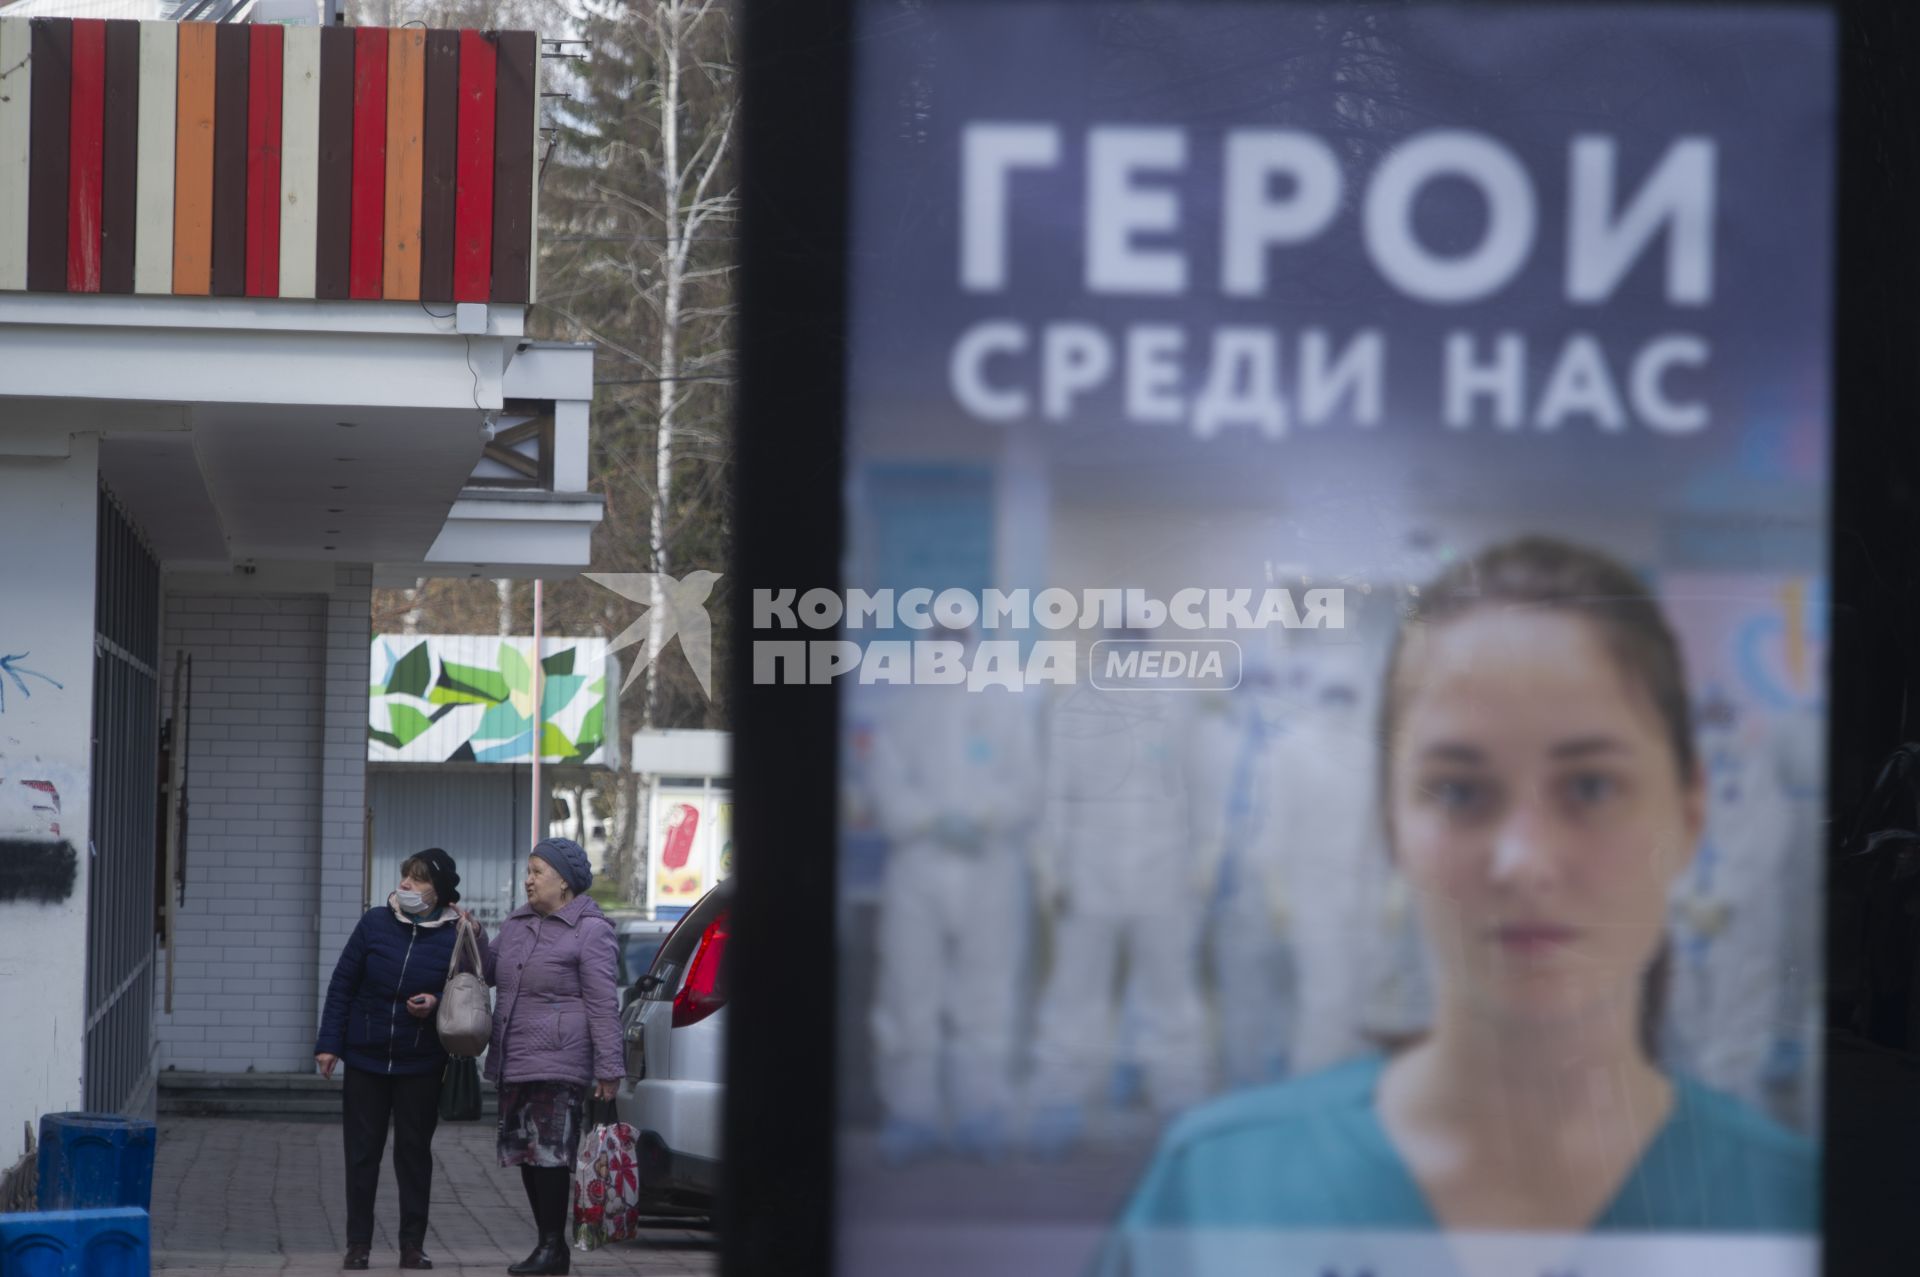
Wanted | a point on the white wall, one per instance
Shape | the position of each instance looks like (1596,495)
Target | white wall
(343,810)
(276,784)
(243,951)
(48,508)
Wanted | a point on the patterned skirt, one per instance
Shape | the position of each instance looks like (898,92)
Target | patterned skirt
(540,1123)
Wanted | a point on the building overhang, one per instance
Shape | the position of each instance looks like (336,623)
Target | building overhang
(498,534)
(248,430)
(289,356)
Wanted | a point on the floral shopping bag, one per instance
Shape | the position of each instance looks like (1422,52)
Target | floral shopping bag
(606,1184)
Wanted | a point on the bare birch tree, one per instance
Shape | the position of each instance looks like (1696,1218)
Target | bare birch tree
(637,206)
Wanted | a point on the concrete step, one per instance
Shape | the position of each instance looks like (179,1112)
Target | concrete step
(290,1097)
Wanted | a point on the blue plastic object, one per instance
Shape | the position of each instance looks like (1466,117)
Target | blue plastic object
(93,1161)
(76,1243)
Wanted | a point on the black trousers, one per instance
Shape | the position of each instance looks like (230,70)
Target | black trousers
(412,1104)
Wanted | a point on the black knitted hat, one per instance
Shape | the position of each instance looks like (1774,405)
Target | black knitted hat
(446,878)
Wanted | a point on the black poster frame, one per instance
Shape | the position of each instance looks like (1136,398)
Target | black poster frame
(778,1204)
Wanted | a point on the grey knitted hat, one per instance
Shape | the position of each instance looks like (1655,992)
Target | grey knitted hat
(569,860)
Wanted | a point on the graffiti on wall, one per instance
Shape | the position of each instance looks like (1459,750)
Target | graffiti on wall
(461,698)
(12,669)
(38,863)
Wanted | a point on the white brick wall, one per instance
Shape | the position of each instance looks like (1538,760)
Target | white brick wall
(343,810)
(276,791)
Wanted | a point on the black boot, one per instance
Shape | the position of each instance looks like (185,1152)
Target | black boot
(549,1257)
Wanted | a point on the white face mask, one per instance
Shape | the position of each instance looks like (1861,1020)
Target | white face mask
(413,901)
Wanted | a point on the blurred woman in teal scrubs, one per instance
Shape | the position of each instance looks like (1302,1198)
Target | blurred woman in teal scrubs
(1541,792)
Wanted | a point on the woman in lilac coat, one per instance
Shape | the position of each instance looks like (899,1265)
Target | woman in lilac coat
(556,1034)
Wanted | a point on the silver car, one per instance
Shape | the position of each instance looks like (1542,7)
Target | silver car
(639,939)
(675,1028)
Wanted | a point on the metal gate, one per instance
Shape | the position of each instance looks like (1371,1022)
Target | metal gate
(120,920)
(479,814)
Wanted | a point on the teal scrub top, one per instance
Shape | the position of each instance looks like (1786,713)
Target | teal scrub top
(1313,1154)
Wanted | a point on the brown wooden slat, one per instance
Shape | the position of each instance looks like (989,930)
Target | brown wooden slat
(334,215)
(513,166)
(122,130)
(520,433)
(47,155)
(528,466)
(436,195)
(230,160)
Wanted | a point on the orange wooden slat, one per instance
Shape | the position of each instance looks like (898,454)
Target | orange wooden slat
(406,107)
(193,161)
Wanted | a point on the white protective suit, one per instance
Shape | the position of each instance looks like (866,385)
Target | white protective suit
(1329,853)
(1234,745)
(1730,919)
(1793,1073)
(1119,863)
(955,788)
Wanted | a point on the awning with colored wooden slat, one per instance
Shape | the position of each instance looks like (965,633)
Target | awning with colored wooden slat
(207,159)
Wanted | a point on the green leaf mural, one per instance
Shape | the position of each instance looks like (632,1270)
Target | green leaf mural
(444,695)
(411,672)
(514,668)
(557,693)
(441,674)
(481,684)
(593,728)
(554,743)
(409,724)
(502,722)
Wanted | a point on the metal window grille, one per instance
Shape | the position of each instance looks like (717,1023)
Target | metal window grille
(126,711)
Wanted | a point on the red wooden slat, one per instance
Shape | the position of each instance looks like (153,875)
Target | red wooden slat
(265,63)
(369,162)
(473,194)
(86,154)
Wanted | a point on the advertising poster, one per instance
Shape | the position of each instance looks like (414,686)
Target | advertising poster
(693,841)
(681,835)
(723,837)
(1342,799)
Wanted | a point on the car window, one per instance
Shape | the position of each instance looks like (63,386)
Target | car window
(636,955)
(671,962)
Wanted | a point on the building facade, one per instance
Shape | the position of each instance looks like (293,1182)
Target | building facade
(263,301)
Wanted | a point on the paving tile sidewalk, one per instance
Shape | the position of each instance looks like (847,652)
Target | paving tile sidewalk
(244,1197)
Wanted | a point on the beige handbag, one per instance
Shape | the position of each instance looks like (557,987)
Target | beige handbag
(465,1018)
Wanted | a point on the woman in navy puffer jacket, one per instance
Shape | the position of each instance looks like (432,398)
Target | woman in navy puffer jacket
(379,1020)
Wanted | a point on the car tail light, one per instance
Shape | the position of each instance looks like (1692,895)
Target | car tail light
(703,993)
